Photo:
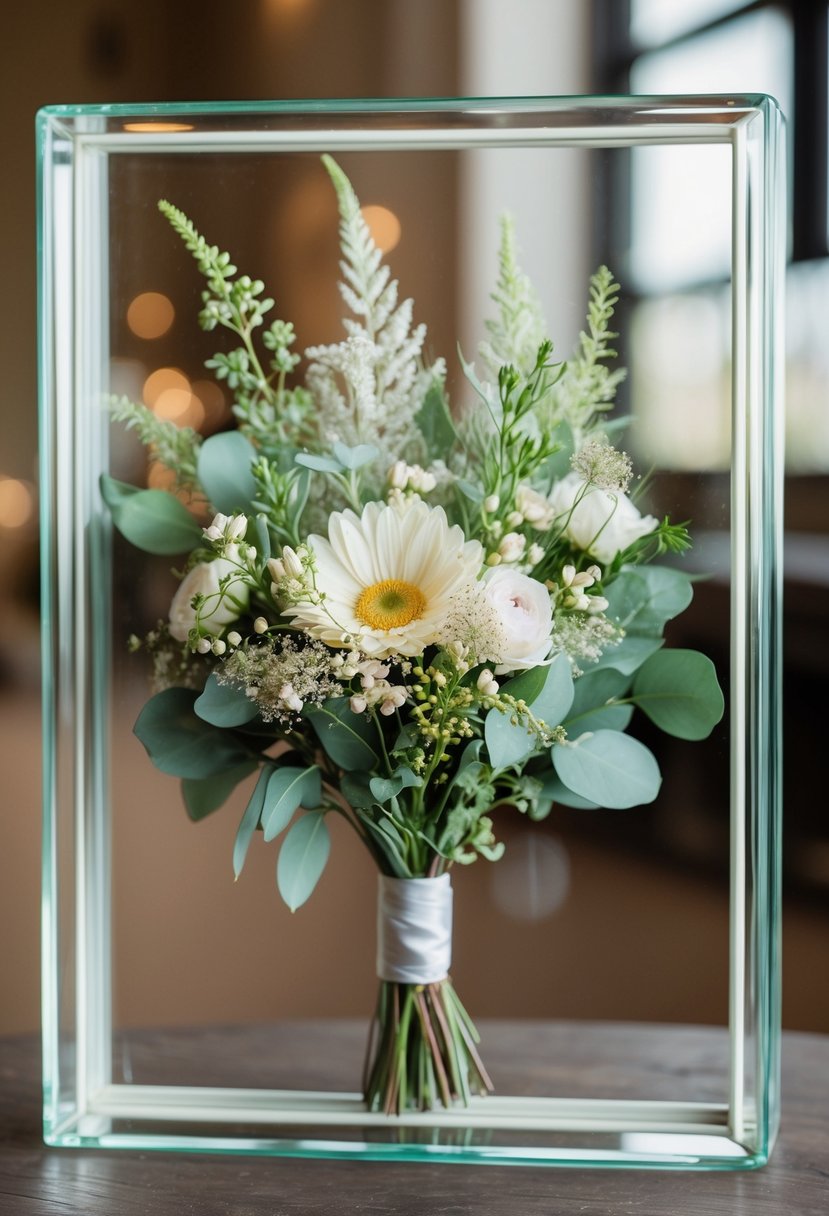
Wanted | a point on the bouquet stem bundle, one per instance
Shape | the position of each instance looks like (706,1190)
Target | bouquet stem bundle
(422,1051)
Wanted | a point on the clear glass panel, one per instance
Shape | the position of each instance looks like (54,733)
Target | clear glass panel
(189,948)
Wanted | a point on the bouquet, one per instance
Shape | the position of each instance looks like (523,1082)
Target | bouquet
(410,616)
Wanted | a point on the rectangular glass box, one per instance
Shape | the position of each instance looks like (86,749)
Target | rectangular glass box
(120,1070)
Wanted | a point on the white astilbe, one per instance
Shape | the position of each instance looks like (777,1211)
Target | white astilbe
(369,387)
(519,329)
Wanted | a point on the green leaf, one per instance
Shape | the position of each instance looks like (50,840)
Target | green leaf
(556,697)
(508,743)
(225,471)
(629,655)
(356,790)
(554,789)
(320,464)
(289,788)
(608,768)
(151,520)
(358,456)
(386,788)
(250,821)
(182,744)
(224,704)
(203,795)
(590,710)
(678,690)
(302,858)
(527,685)
(345,735)
(669,593)
(435,423)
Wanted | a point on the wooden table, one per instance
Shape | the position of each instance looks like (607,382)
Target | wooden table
(35,1181)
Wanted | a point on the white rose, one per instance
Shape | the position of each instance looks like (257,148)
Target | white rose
(526,616)
(217,610)
(601,523)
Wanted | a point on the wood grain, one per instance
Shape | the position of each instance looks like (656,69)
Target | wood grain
(35,1181)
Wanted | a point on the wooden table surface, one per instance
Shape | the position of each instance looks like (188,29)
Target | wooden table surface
(35,1181)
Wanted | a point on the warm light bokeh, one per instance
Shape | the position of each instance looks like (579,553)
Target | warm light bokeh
(384,226)
(150,314)
(16,502)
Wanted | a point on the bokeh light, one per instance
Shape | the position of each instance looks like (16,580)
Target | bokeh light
(16,502)
(384,226)
(150,314)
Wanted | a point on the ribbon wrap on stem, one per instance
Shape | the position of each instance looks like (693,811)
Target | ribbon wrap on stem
(414,929)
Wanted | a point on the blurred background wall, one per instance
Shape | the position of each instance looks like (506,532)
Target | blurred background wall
(586,916)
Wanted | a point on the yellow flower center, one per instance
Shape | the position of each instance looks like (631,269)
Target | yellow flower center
(390,604)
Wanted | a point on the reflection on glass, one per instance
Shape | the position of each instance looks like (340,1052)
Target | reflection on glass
(681,373)
(684,238)
(655,21)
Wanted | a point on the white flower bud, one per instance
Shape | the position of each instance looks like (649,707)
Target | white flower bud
(291,562)
(276,569)
(512,547)
(387,707)
(234,638)
(204,645)
(218,647)
(567,575)
(398,476)
(595,573)
(260,625)
(514,519)
(216,530)
(236,528)
(534,554)
(289,698)
(597,603)
(491,503)
(487,684)
(358,704)
(426,482)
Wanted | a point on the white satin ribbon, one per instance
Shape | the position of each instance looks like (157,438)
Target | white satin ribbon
(414,929)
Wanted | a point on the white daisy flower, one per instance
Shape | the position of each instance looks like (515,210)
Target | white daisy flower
(386,578)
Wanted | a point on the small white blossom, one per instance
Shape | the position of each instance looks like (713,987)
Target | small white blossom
(534,554)
(358,704)
(234,638)
(491,503)
(289,698)
(487,684)
(535,508)
(218,647)
(204,645)
(512,547)
(260,625)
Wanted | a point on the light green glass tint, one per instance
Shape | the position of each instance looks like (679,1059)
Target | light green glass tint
(445,170)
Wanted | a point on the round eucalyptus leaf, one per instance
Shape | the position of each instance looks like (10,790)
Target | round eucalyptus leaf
(609,769)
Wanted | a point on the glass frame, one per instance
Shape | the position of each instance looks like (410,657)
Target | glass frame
(82,1106)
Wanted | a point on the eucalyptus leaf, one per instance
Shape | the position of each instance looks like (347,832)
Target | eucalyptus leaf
(435,423)
(669,593)
(288,789)
(224,704)
(590,710)
(250,820)
(553,702)
(182,744)
(527,685)
(386,788)
(608,768)
(320,464)
(507,742)
(203,795)
(302,858)
(629,655)
(554,789)
(345,735)
(225,471)
(358,456)
(678,690)
(356,790)
(152,520)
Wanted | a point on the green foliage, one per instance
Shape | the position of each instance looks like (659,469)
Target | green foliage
(593,708)
(608,768)
(203,795)
(225,472)
(224,704)
(181,743)
(289,788)
(588,386)
(509,740)
(174,447)
(435,423)
(386,788)
(348,738)
(151,520)
(302,858)
(519,330)
(250,820)
(678,690)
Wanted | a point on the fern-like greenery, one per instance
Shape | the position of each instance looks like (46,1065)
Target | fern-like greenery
(267,410)
(587,387)
(174,447)
(519,328)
